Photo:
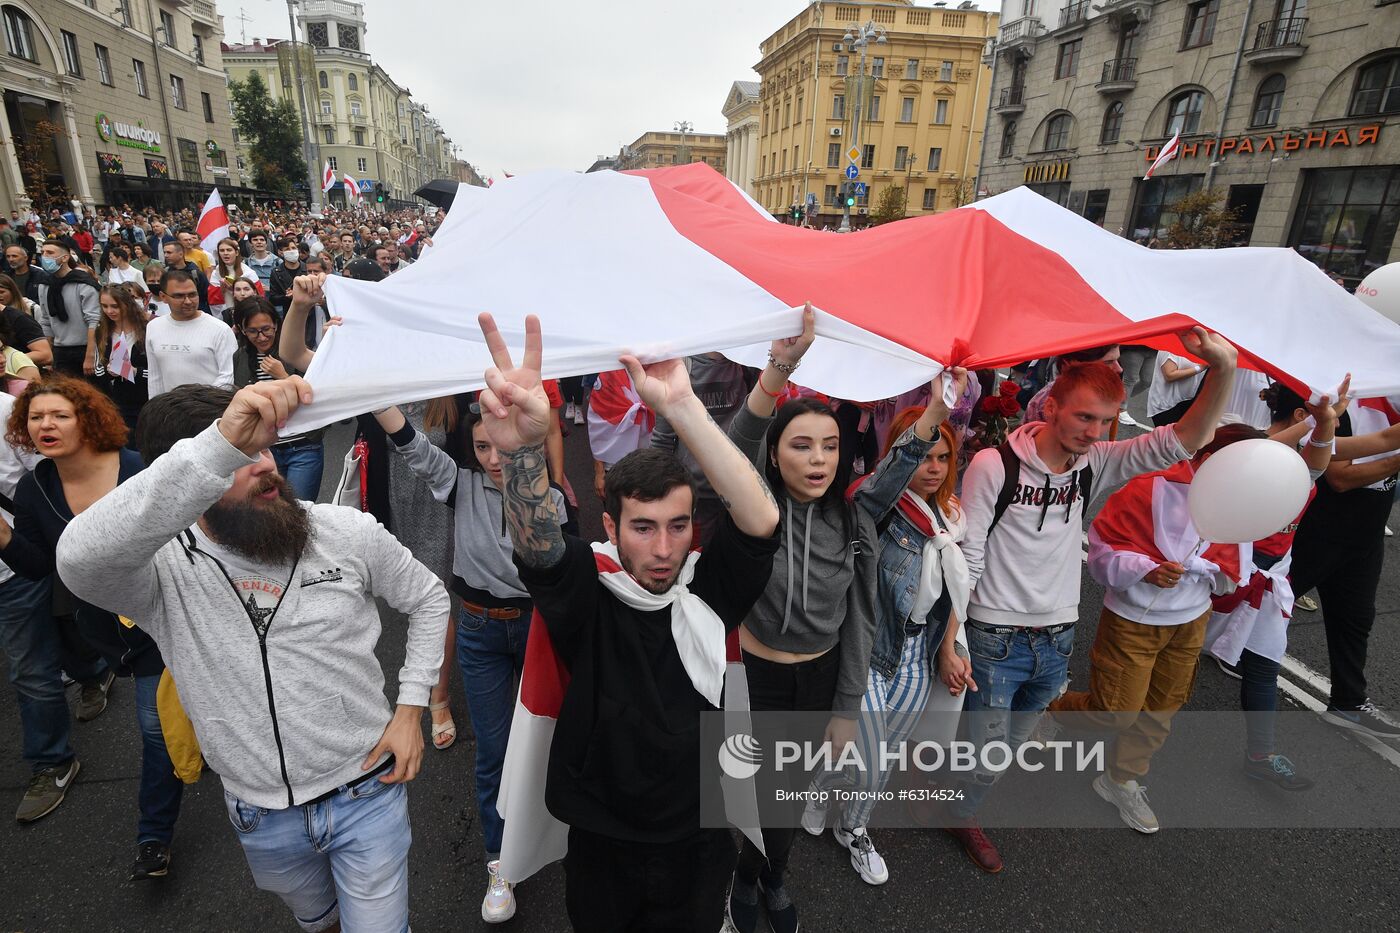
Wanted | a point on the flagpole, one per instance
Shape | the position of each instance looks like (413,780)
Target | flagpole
(308,140)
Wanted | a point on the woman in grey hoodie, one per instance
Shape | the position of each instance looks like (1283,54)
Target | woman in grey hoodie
(806,642)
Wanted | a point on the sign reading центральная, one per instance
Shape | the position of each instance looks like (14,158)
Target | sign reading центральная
(125,134)
(1323,138)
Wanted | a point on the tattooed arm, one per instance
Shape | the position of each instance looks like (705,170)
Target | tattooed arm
(529,507)
(665,387)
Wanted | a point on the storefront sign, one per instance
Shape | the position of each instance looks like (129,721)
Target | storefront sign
(1043,172)
(1346,137)
(156,168)
(109,163)
(125,134)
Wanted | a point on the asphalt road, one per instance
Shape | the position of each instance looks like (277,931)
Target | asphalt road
(67,872)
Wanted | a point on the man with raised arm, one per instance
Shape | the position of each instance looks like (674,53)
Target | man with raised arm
(640,622)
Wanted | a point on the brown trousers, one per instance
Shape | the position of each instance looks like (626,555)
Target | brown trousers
(1139,676)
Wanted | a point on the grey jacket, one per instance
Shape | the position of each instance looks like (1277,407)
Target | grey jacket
(290,714)
(84,311)
(822,591)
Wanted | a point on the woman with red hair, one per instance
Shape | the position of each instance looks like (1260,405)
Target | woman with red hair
(81,434)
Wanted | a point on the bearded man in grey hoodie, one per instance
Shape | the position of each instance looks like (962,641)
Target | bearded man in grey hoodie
(263,608)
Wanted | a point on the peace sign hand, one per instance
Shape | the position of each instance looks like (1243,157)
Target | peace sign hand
(514,407)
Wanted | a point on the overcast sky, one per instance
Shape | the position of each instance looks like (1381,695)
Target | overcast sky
(556,84)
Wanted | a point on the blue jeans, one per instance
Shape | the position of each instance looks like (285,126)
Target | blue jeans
(1259,700)
(159,796)
(30,637)
(490,654)
(345,858)
(301,464)
(1018,672)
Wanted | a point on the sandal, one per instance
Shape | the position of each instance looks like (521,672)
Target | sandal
(448,728)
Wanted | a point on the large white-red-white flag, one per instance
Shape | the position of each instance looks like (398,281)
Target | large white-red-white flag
(213,223)
(1165,155)
(327,178)
(690,264)
(352,188)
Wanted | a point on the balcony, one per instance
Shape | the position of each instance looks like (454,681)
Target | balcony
(203,11)
(1012,100)
(1278,40)
(1119,75)
(325,119)
(1074,14)
(1023,32)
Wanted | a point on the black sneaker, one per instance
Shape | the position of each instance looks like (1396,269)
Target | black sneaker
(1228,669)
(740,917)
(93,699)
(1276,769)
(152,861)
(1364,718)
(781,919)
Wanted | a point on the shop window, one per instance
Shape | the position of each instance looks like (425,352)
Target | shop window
(1346,219)
(1152,215)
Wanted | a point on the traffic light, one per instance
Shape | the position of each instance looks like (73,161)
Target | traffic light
(379,192)
(850,198)
(796,212)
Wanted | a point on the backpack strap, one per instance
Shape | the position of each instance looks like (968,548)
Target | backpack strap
(1011,464)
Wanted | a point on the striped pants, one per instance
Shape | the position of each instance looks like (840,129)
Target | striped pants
(890,710)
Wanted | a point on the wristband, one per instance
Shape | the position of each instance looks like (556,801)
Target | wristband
(778,394)
(1329,444)
(785,368)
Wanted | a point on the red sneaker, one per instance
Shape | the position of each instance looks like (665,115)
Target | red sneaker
(977,846)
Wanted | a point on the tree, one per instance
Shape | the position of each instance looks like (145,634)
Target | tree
(37,166)
(1201,221)
(890,206)
(273,131)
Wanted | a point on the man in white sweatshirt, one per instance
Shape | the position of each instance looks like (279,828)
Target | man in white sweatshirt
(1023,550)
(264,610)
(187,346)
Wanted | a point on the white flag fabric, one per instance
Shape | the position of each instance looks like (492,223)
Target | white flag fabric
(213,224)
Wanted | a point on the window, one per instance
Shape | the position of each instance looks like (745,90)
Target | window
(783,163)
(198,48)
(1268,101)
(1346,219)
(325,107)
(355,108)
(71,62)
(219,157)
(935,159)
(1184,117)
(1377,87)
(138,70)
(329,134)
(906,110)
(167,28)
(359,137)
(930,199)
(911,69)
(787,114)
(874,108)
(833,155)
(1067,65)
(1200,23)
(1150,215)
(177,92)
(362,164)
(334,166)
(843,64)
(1008,140)
(877,68)
(189,159)
(19,34)
(763,165)
(104,64)
(1096,206)
(208,103)
(867,156)
(325,81)
(1112,123)
(124,11)
(940,110)
(945,71)
(354,82)
(838,107)
(901,158)
(796,161)
(1057,132)
(829,195)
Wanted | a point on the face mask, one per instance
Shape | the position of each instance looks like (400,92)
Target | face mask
(48,263)
(291,255)
(160,308)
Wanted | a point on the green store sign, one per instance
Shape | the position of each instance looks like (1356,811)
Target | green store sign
(125,134)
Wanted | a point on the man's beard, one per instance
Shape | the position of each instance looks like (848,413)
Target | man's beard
(644,580)
(273,532)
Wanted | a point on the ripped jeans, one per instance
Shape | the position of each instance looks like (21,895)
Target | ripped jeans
(1018,672)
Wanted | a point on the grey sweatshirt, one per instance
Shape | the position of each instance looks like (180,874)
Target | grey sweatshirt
(84,311)
(482,551)
(288,716)
(822,591)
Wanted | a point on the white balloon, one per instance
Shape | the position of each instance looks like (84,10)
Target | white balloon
(1381,290)
(1248,491)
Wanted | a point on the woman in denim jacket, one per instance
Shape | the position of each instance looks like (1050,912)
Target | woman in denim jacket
(920,601)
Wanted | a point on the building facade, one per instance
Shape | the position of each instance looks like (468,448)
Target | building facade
(741,130)
(656,148)
(119,102)
(1284,113)
(363,122)
(921,111)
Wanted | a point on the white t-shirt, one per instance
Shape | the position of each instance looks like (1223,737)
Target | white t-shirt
(198,352)
(260,586)
(116,276)
(1244,406)
(1164,395)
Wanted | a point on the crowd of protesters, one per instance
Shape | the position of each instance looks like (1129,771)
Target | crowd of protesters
(157,527)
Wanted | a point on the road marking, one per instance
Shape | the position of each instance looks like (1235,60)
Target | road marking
(1312,678)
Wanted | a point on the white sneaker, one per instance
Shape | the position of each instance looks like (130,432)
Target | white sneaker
(578,416)
(499,904)
(1127,420)
(814,815)
(1131,800)
(1388,532)
(569,410)
(864,859)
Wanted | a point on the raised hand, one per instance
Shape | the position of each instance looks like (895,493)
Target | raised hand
(789,350)
(308,289)
(937,411)
(662,386)
(1214,349)
(514,407)
(252,418)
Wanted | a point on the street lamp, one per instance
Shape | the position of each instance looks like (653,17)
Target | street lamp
(858,37)
(308,139)
(683,150)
